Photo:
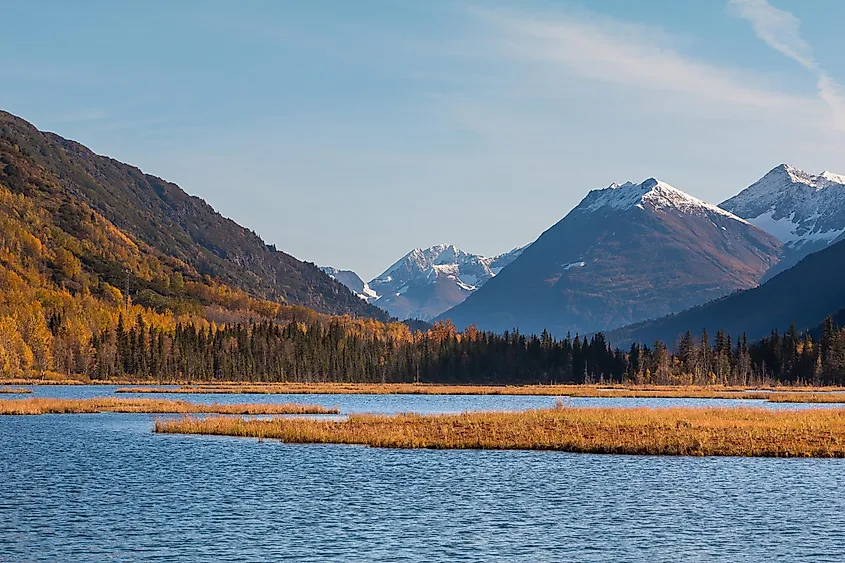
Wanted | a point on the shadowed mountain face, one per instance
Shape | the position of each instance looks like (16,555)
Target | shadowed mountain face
(805,294)
(806,212)
(176,224)
(626,253)
(351,280)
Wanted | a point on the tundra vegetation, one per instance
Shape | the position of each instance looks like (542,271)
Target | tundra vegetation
(639,431)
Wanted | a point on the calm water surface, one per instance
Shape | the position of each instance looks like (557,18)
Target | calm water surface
(103,487)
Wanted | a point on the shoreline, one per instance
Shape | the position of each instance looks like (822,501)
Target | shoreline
(773,394)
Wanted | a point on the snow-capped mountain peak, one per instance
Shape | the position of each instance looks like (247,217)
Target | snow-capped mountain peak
(832,178)
(652,194)
(783,174)
(421,261)
(797,207)
(626,253)
(427,281)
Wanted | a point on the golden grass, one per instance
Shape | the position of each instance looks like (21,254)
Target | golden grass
(14,390)
(639,431)
(807,398)
(656,391)
(160,406)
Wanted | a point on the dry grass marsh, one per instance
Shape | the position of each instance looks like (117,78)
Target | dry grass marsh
(14,391)
(806,397)
(161,406)
(689,392)
(638,431)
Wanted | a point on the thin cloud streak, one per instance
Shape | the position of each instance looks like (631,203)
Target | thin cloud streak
(781,31)
(633,59)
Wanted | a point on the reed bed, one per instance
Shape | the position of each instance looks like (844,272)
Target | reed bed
(691,392)
(159,406)
(638,431)
(14,391)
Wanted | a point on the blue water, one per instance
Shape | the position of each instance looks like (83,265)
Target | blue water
(103,487)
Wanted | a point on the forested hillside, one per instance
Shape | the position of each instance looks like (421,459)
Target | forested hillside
(150,210)
(68,272)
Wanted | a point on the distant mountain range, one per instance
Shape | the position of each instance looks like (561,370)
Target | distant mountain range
(806,212)
(633,253)
(626,253)
(427,281)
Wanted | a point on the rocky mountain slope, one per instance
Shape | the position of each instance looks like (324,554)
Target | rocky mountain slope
(806,212)
(157,213)
(626,253)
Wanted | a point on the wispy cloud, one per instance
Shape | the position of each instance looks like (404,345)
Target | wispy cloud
(781,31)
(639,57)
(778,28)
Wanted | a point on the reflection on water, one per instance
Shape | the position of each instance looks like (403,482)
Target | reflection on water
(104,487)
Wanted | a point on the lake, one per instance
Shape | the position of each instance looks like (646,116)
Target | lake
(103,487)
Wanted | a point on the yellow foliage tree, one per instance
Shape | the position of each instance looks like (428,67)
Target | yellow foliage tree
(15,356)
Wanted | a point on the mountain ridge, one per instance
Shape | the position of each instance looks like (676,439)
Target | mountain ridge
(628,251)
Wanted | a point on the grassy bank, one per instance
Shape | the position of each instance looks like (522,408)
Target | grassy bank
(640,431)
(14,391)
(161,406)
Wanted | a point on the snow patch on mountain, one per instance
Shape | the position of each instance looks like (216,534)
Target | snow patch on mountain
(651,194)
(798,208)
(353,281)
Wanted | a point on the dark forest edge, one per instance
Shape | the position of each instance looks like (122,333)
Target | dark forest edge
(339,350)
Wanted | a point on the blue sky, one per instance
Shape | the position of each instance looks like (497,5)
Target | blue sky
(348,133)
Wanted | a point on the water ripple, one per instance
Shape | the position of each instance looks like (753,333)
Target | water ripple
(103,487)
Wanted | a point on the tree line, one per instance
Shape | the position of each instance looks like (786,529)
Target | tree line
(322,350)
